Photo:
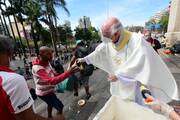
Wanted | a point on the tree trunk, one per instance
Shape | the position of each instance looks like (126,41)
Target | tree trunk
(20,40)
(35,40)
(7,30)
(57,34)
(27,41)
(39,35)
(3,25)
(12,30)
(51,27)
(13,36)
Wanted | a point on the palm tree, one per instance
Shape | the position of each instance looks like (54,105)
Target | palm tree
(33,13)
(164,22)
(9,21)
(17,9)
(12,31)
(20,40)
(2,24)
(1,3)
(18,32)
(5,24)
(50,16)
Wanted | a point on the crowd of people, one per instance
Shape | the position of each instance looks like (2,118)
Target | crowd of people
(130,60)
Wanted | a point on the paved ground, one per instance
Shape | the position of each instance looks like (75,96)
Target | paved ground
(173,63)
(99,87)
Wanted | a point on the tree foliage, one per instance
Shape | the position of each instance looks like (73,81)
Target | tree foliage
(164,22)
(46,37)
(135,28)
(88,34)
(61,35)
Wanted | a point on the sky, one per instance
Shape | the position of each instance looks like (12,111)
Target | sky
(130,12)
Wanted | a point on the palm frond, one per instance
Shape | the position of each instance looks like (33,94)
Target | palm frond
(45,21)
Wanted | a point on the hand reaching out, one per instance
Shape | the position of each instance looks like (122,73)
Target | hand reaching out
(160,107)
(112,78)
(80,60)
(74,68)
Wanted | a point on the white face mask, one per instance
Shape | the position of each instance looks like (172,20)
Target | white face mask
(145,37)
(106,40)
(120,39)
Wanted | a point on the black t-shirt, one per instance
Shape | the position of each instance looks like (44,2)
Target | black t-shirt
(57,66)
(81,52)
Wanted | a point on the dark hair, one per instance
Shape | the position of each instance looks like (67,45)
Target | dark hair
(6,44)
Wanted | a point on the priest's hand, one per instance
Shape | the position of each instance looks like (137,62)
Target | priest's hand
(80,60)
(112,78)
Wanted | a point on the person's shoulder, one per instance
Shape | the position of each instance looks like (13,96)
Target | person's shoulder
(12,79)
(19,79)
(102,46)
(17,90)
(36,68)
(12,75)
(136,36)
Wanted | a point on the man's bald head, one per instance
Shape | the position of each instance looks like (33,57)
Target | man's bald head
(44,49)
(46,53)
(111,26)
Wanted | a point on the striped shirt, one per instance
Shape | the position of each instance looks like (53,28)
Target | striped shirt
(45,79)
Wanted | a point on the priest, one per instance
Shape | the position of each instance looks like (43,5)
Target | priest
(130,62)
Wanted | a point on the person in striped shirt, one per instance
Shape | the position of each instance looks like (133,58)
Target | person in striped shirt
(45,79)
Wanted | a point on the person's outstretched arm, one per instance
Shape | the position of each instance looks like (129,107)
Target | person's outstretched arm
(42,74)
(163,108)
